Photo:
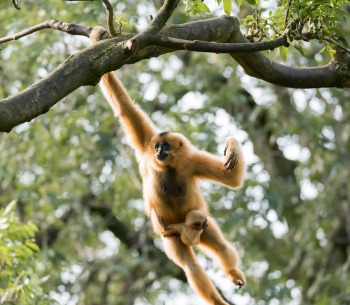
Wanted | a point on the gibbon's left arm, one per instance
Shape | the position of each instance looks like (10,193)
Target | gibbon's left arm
(229,171)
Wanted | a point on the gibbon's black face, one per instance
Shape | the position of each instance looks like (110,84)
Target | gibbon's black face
(162,150)
(200,225)
(166,146)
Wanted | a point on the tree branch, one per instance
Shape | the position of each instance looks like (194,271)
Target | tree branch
(111,28)
(70,28)
(163,15)
(86,67)
(213,47)
(16,4)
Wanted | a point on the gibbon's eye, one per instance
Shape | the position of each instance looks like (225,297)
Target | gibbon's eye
(197,224)
(156,146)
(166,146)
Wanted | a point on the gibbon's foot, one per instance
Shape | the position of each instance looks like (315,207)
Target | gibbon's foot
(230,152)
(237,277)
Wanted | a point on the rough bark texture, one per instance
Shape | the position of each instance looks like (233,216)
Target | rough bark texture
(86,67)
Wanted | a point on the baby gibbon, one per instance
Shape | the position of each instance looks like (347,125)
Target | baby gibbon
(190,230)
(170,167)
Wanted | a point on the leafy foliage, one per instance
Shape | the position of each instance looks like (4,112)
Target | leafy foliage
(195,7)
(289,222)
(300,20)
(122,21)
(20,264)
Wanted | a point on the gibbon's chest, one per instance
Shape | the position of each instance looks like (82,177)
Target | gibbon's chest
(169,185)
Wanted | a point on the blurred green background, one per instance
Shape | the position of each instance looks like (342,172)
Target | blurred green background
(74,177)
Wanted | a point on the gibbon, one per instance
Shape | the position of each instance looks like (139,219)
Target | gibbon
(170,167)
(190,230)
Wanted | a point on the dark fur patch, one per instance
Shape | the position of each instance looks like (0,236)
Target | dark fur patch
(164,133)
(170,187)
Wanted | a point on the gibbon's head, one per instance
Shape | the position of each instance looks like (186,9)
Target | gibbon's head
(196,219)
(166,146)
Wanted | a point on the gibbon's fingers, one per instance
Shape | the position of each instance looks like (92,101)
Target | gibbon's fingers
(168,233)
(229,143)
(232,160)
(230,151)
(98,33)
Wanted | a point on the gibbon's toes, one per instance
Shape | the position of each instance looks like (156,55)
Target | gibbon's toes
(237,277)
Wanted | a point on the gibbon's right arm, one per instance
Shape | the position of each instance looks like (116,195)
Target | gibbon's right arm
(137,125)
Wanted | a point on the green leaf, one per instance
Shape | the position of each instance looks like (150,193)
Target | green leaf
(10,207)
(196,7)
(300,49)
(323,49)
(331,52)
(252,2)
(239,2)
(343,41)
(284,53)
(122,20)
(32,245)
(227,7)
(4,224)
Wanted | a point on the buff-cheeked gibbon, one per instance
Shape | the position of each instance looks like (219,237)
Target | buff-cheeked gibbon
(190,230)
(170,167)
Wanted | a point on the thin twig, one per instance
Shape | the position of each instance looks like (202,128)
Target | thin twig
(111,28)
(339,45)
(163,15)
(287,13)
(214,47)
(16,4)
(70,28)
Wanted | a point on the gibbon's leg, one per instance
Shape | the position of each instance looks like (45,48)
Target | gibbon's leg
(184,256)
(213,241)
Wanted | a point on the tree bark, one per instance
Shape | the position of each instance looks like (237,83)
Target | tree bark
(87,66)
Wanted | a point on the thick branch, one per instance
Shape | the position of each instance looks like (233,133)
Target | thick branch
(163,15)
(335,74)
(87,66)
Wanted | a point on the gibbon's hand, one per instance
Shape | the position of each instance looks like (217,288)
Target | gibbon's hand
(98,33)
(168,233)
(230,152)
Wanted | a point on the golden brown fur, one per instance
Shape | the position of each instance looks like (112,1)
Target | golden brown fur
(170,167)
(190,230)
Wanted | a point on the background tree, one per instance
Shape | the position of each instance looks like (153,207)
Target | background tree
(72,175)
